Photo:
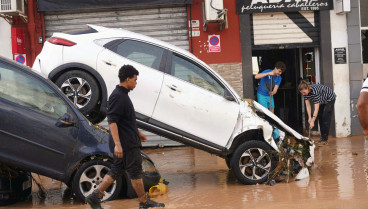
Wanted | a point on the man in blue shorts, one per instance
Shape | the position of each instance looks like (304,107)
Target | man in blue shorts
(270,82)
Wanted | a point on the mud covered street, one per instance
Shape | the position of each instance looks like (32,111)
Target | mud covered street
(339,179)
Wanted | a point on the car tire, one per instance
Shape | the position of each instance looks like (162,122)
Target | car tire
(96,117)
(85,98)
(90,175)
(15,188)
(252,162)
(228,161)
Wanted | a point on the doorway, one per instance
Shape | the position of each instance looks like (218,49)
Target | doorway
(288,101)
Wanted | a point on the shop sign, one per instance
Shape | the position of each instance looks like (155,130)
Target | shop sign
(194,28)
(263,6)
(340,55)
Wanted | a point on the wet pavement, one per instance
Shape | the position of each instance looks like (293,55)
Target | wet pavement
(339,179)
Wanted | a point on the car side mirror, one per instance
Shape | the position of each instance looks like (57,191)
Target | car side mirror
(228,96)
(65,121)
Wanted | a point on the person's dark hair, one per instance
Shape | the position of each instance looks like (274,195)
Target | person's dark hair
(280,65)
(303,85)
(127,71)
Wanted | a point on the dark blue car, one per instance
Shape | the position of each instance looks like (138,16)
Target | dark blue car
(41,131)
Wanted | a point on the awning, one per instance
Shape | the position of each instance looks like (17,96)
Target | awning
(57,5)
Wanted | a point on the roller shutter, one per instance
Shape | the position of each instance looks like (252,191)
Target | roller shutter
(168,24)
(285,30)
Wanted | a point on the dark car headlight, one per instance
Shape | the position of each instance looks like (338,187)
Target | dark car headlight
(148,166)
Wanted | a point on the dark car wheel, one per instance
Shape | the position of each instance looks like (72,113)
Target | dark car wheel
(252,162)
(228,161)
(96,117)
(81,88)
(90,175)
(15,188)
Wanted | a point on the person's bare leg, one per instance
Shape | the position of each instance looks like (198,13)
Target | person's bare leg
(273,110)
(106,182)
(139,189)
(94,199)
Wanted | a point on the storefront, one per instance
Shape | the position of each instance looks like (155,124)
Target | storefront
(292,32)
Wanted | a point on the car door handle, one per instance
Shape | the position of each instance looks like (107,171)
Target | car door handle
(108,63)
(173,87)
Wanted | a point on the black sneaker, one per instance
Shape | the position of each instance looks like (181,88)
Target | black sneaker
(150,204)
(94,200)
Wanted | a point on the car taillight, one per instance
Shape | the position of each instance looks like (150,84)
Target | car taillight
(60,41)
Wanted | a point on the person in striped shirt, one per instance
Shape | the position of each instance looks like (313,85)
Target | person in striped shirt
(362,107)
(323,99)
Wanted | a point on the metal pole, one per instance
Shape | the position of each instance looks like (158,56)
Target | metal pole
(270,94)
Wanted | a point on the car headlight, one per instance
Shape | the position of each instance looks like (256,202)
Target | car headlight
(147,166)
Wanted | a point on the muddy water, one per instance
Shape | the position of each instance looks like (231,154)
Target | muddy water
(197,179)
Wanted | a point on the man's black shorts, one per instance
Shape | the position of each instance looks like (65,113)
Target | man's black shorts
(131,163)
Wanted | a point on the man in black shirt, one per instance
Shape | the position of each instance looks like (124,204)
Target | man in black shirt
(125,141)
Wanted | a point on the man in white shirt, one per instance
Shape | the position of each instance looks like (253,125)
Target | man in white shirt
(362,107)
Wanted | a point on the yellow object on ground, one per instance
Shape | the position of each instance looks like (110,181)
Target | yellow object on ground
(158,189)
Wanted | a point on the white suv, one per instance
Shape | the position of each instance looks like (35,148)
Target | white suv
(178,96)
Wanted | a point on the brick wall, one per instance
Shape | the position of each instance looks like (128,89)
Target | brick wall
(232,73)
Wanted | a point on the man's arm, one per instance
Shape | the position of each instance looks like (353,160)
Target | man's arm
(314,116)
(362,108)
(142,136)
(274,90)
(118,150)
(308,107)
(261,75)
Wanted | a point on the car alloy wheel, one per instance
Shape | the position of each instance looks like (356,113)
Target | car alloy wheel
(252,162)
(77,90)
(81,88)
(255,163)
(90,175)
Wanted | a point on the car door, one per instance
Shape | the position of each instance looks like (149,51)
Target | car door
(193,101)
(146,58)
(29,134)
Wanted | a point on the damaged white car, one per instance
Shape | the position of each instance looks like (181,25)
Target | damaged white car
(178,96)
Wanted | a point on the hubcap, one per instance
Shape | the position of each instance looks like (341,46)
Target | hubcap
(78,91)
(255,163)
(92,177)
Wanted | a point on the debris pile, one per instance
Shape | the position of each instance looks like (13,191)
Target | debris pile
(292,157)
